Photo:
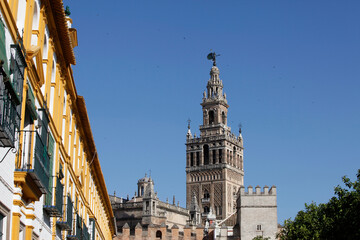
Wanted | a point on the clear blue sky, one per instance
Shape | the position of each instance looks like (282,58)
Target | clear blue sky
(290,71)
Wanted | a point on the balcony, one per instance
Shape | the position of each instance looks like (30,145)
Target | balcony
(85,233)
(9,121)
(92,228)
(11,85)
(33,173)
(55,210)
(67,224)
(77,233)
(205,200)
(81,230)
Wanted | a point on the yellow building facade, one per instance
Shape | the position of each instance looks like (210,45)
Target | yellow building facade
(51,183)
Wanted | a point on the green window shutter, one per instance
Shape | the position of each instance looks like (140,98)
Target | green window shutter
(44,127)
(3,47)
(50,152)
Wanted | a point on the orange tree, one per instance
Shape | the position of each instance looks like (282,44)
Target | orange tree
(337,219)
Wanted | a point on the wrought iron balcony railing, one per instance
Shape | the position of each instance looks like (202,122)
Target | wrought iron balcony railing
(81,231)
(11,87)
(34,159)
(85,233)
(9,121)
(77,234)
(55,210)
(65,223)
(92,228)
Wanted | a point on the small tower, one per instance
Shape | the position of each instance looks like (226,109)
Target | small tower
(195,213)
(142,183)
(214,161)
(149,207)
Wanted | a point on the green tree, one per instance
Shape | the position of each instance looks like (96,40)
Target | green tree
(337,219)
(261,238)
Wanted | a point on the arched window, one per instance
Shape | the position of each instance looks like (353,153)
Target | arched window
(211,117)
(214,156)
(191,159)
(223,117)
(158,234)
(220,155)
(234,156)
(206,154)
(241,163)
(35,24)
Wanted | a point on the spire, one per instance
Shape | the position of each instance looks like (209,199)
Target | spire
(214,87)
(240,135)
(189,135)
(194,207)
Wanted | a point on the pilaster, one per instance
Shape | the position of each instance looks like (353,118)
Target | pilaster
(30,216)
(16,213)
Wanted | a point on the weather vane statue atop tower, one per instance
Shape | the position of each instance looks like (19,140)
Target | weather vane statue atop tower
(212,56)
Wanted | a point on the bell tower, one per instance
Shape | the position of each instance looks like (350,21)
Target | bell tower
(214,161)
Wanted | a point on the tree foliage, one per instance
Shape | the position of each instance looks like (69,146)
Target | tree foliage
(261,238)
(337,219)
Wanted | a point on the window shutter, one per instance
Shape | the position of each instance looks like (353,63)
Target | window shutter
(51,158)
(3,47)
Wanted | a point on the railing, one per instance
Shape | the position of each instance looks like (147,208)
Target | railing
(9,120)
(85,233)
(76,233)
(92,228)
(51,209)
(81,230)
(39,167)
(67,224)
(17,66)
(205,200)
(11,87)
(42,161)
(59,198)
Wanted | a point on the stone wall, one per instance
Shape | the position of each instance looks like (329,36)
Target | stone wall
(257,212)
(161,232)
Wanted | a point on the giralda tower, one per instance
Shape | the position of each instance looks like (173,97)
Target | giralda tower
(214,161)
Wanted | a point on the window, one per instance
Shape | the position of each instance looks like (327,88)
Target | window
(191,159)
(211,117)
(158,234)
(206,209)
(197,159)
(220,155)
(206,154)
(258,227)
(11,89)
(234,156)
(214,156)
(1,226)
(22,232)
(206,195)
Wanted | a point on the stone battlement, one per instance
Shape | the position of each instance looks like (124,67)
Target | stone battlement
(250,191)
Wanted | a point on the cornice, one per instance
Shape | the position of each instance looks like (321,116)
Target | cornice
(58,12)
